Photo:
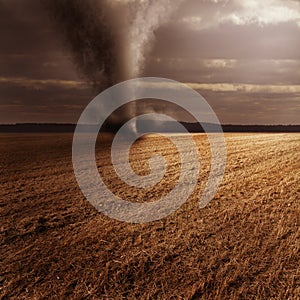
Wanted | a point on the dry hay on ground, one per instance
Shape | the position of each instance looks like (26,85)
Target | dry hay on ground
(243,245)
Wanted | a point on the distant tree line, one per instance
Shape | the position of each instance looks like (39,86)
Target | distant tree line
(145,127)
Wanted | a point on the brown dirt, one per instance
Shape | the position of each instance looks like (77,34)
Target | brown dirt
(243,245)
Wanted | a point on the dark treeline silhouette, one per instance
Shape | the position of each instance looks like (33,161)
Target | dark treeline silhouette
(37,127)
(195,127)
(146,127)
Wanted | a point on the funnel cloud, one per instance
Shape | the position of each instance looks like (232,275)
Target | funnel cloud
(109,40)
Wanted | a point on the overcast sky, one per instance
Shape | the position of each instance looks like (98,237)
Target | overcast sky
(243,56)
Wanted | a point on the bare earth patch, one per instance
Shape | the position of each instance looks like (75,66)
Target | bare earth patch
(243,245)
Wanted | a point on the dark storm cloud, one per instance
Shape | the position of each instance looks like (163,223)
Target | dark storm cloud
(25,30)
(60,102)
(230,41)
(29,45)
(38,81)
(255,108)
(265,52)
(207,42)
(260,71)
(223,42)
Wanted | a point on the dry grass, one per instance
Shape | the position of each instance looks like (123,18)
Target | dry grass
(243,245)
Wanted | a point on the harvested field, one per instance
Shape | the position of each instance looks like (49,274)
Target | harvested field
(243,245)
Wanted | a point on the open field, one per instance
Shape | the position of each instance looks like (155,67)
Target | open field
(244,245)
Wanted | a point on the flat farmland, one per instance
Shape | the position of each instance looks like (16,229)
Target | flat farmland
(243,245)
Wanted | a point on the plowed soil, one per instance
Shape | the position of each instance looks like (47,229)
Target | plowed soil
(243,245)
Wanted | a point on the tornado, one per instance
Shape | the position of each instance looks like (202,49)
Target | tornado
(110,40)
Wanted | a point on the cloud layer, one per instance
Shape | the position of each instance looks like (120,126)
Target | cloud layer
(242,56)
